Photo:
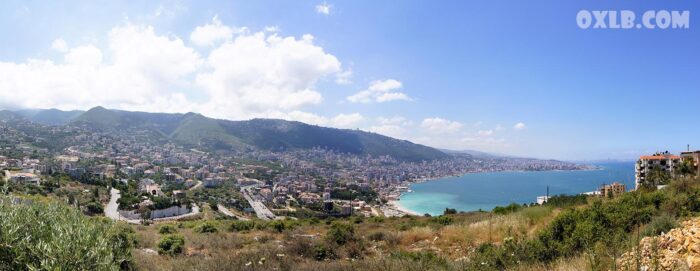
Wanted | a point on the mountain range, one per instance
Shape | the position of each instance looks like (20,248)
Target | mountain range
(196,130)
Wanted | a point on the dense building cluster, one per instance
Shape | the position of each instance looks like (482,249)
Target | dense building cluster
(150,170)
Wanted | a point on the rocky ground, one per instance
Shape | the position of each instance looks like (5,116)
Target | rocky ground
(679,249)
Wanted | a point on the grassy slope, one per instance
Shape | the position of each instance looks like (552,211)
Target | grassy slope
(587,236)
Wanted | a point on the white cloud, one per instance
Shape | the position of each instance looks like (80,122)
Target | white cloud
(324,9)
(339,121)
(274,29)
(519,126)
(83,56)
(343,78)
(380,91)
(395,120)
(59,45)
(440,125)
(390,130)
(143,72)
(212,33)
(347,120)
(251,75)
(257,72)
(485,132)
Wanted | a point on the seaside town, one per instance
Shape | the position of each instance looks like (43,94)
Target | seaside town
(128,175)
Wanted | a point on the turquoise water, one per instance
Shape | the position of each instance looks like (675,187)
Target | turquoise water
(484,191)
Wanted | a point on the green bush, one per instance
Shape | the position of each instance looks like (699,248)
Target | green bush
(424,258)
(340,233)
(659,224)
(241,226)
(167,229)
(206,227)
(450,211)
(277,225)
(171,245)
(94,208)
(53,236)
(501,210)
(442,220)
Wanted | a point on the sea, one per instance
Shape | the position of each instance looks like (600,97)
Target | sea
(484,191)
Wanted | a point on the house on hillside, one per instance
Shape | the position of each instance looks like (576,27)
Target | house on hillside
(150,186)
(23,178)
(612,190)
(646,164)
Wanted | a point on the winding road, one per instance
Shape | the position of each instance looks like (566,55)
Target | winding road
(112,210)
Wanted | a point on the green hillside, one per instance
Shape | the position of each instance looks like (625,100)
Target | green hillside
(49,116)
(266,134)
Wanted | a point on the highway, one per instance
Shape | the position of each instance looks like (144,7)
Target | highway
(260,209)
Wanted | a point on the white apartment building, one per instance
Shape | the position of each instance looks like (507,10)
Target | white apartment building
(646,163)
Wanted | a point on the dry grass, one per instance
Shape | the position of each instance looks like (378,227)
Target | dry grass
(568,264)
(226,250)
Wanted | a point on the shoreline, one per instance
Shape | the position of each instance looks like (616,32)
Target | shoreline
(397,205)
(401,208)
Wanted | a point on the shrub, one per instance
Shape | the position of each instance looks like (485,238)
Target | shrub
(450,211)
(442,220)
(206,227)
(340,233)
(322,252)
(425,258)
(94,208)
(241,226)
(32,232)
(513,207)
(171,245)
(277,225)
(660,224)
(167,229)
(388,237)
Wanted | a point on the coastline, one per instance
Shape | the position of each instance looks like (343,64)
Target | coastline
(399,207)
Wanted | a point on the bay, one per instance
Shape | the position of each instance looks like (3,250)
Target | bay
(474,191)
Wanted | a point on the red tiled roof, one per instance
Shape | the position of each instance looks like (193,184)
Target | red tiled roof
(659,157)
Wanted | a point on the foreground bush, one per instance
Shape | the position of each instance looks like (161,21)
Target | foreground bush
(206,227)
(171,245)
(167,229)
(53,236)
(340,233)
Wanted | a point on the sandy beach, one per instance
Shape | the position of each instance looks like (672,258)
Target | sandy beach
(397,206)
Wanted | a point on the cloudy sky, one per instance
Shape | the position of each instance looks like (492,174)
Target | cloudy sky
(504,76)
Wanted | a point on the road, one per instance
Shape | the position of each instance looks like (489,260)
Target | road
(228,212)
(196,186)
(112,210)
(260,209)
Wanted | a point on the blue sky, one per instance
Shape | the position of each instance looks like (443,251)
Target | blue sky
(514,77)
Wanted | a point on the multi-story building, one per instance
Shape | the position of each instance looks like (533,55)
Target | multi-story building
(612,190)
(694,158)
(645,164)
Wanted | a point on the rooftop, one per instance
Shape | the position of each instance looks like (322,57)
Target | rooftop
(659,157)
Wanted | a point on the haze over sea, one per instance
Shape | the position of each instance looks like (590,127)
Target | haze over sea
(485,191)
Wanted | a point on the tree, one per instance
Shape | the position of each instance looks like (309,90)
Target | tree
(686,167)
(171,245)
(94,208)
(340,233)
(449,211)
(657,176)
